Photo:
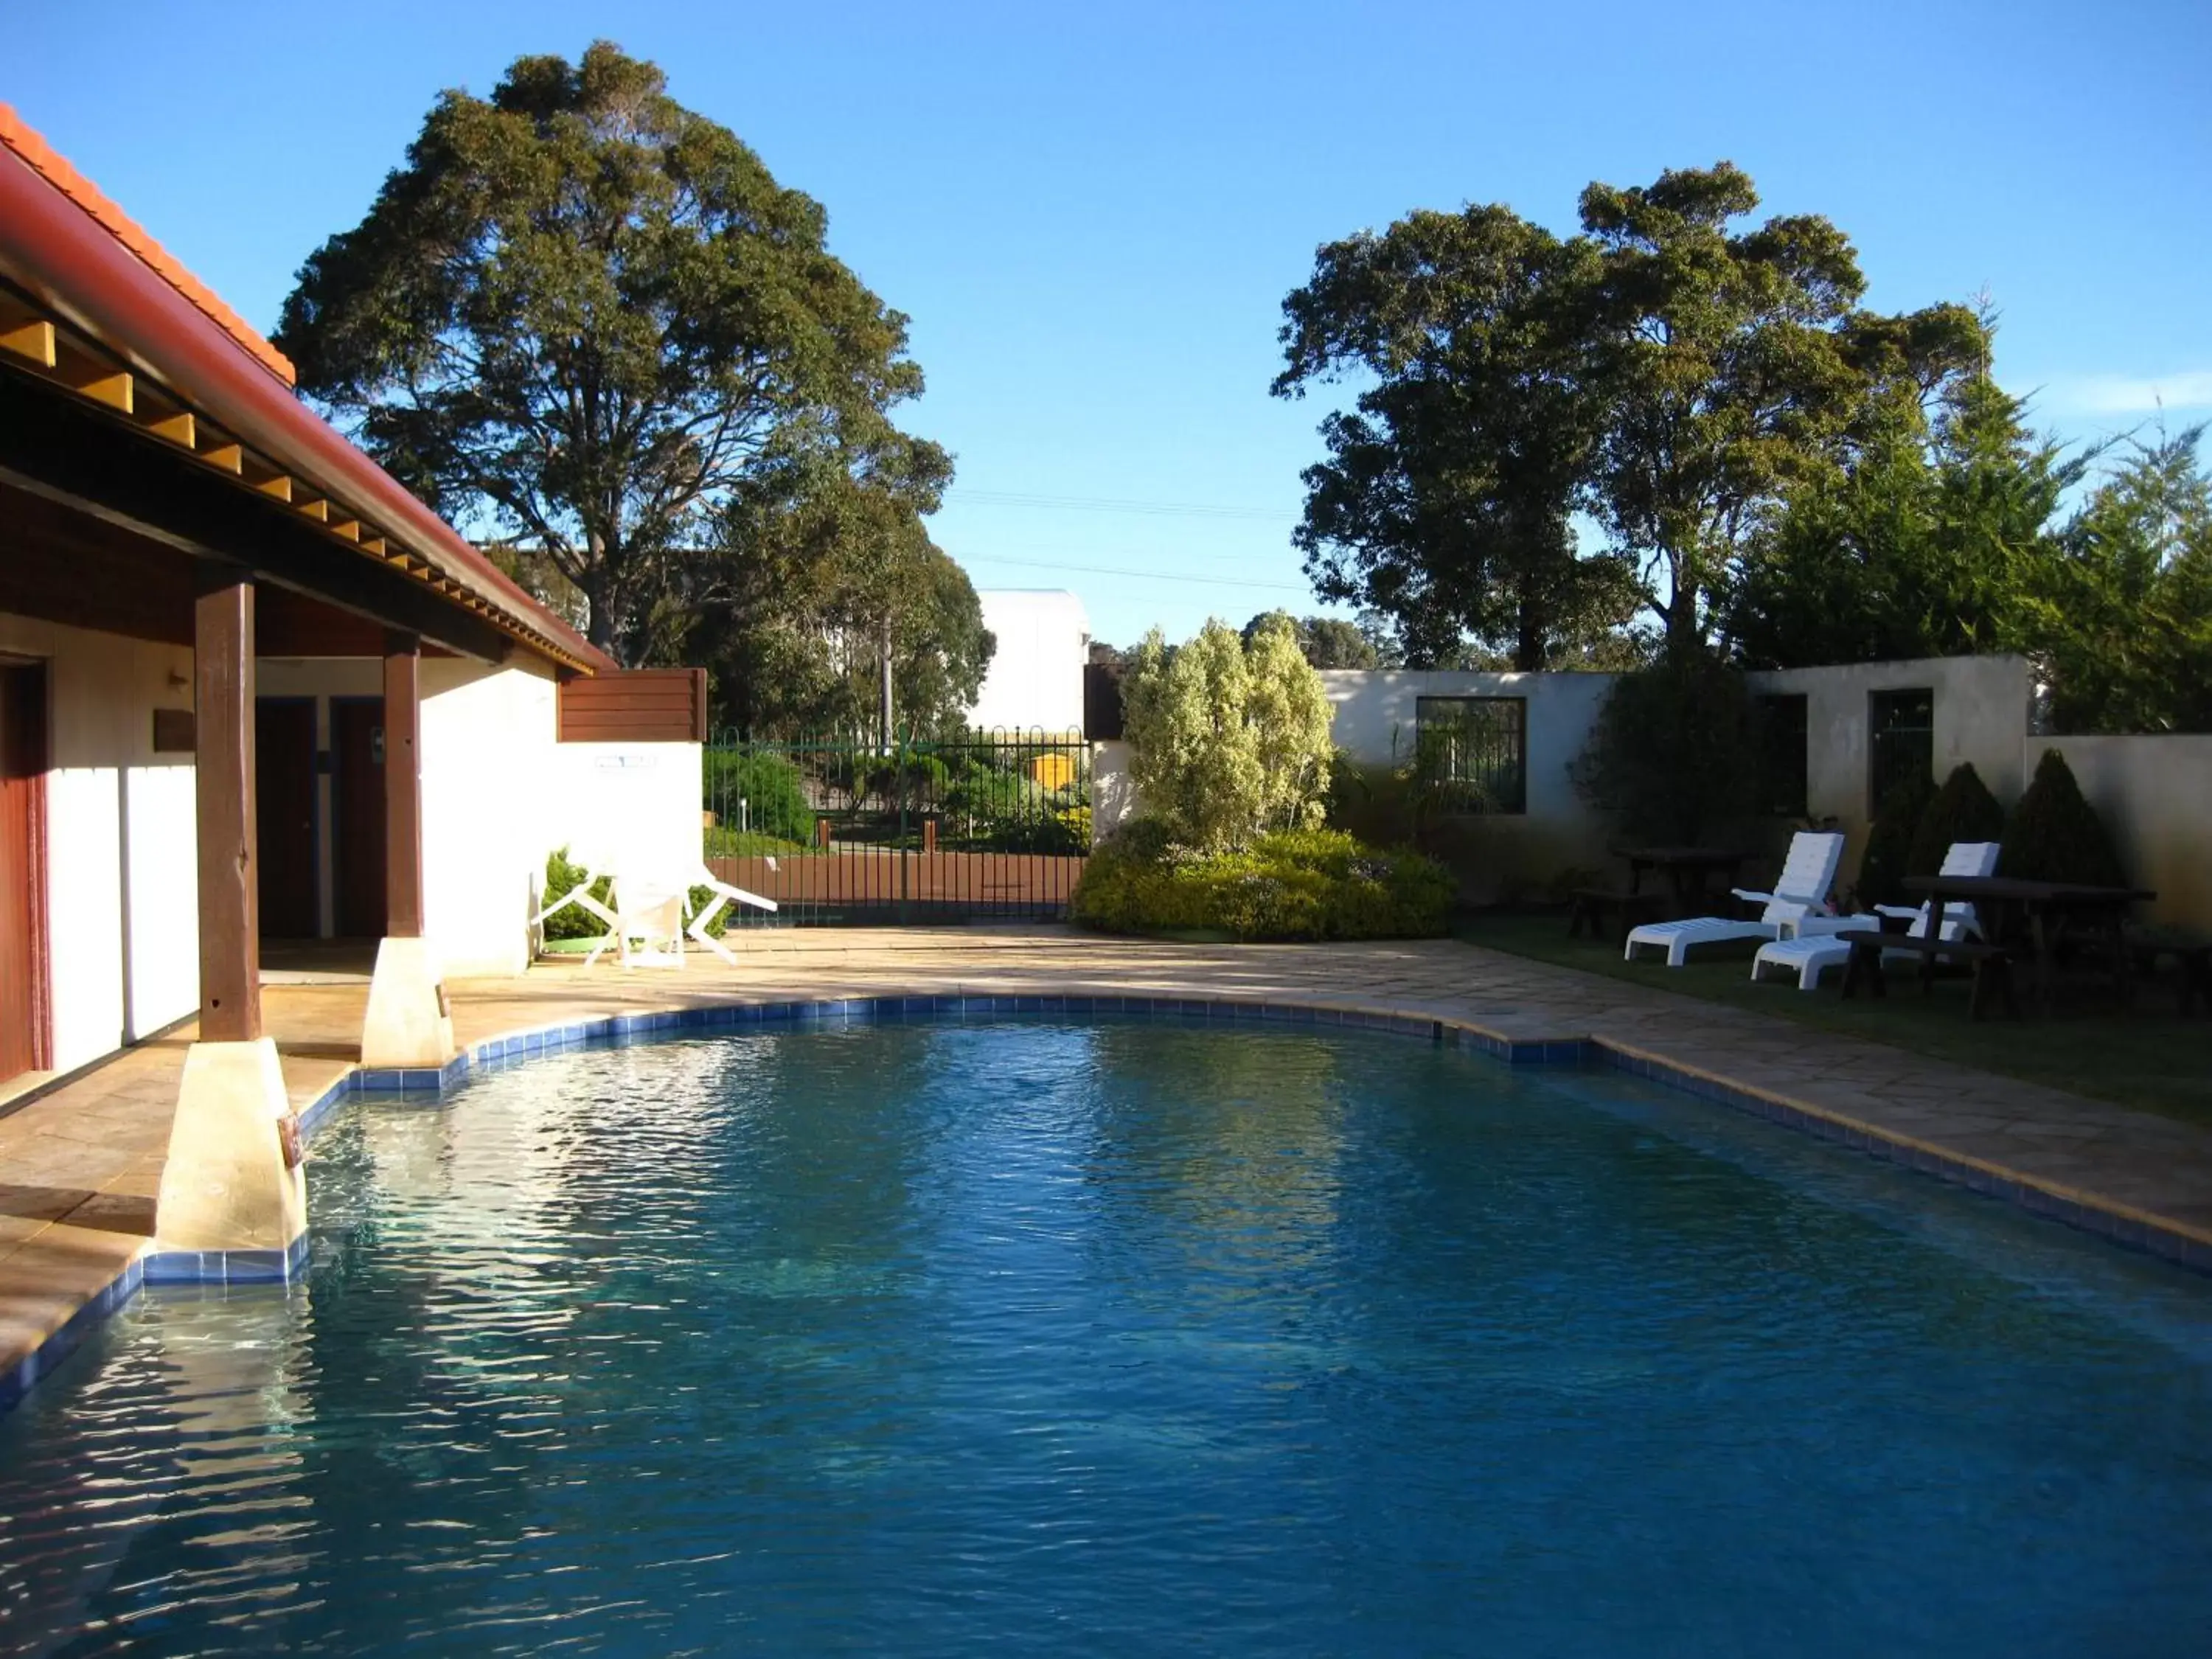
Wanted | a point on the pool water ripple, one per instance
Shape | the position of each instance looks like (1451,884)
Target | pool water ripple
(1026,1336)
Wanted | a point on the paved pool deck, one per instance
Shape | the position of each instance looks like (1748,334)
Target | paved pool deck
(81,1162)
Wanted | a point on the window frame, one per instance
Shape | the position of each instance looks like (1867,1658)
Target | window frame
(1881,771)
(1465,791)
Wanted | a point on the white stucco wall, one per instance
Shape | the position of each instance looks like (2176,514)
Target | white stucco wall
(1034,682)
(122,893)
(1376,723)
(2155,794)
(1981,706)
(610,802)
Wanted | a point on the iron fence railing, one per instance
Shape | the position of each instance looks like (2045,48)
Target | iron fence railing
(839,831)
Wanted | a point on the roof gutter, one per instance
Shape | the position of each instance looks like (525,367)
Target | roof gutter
(66,261)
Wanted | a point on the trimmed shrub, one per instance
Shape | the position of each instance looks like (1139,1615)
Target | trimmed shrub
(2055,834)
(1293,885)
(1962,810)
(1888,858)
(771,788)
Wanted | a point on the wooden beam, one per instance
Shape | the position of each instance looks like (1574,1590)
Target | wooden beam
(179,429)
(112,387)
(32,341)
(223,788)
(403,786)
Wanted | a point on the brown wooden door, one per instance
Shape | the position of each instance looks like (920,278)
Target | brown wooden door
(24,1025)
(357,815)
(284,780)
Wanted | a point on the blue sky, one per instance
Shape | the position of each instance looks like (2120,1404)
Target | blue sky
(1092,214)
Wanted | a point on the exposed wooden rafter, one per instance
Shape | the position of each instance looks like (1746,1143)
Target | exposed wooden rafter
(45,345)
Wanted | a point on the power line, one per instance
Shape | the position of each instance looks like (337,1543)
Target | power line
(1141,576)
(1108,504)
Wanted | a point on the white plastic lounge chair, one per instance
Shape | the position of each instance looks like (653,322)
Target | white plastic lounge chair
(648,908)
(1801,888)
(1815,949)
(722,895)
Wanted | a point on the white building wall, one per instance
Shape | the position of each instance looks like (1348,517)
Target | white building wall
(2155,794)
(1034,682)
(122,892)
(1981,715)
(616,803)
(1376,723)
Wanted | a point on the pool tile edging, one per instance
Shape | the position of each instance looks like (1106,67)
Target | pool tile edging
(2121,1224)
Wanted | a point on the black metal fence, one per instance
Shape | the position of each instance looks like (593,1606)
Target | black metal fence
(981,825)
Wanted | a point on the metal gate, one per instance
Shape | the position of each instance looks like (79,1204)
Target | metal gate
(988,824)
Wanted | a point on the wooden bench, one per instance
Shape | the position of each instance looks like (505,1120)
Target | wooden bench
(1591,905)
(1992,966)
(2191,953)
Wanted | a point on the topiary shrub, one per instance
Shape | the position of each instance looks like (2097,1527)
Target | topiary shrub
(1888,857)
(1293,885)
(1962,810)
(2055,834)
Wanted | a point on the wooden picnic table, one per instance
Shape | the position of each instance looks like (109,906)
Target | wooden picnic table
(1687,870)
(2046,911)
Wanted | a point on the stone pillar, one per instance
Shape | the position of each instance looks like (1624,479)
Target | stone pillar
(232,1185)
(408,1024)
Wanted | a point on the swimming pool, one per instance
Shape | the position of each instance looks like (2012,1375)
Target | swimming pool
(1126,1337)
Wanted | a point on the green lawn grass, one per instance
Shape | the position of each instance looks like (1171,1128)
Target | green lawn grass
(2148,1056)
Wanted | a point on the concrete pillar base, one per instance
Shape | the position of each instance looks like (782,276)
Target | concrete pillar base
(407,1023)
(233,1180)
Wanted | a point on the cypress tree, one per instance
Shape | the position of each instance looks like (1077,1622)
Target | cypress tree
(1889,842)
(1962,810)
(2055,834)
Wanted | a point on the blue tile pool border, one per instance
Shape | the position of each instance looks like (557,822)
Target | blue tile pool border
(2132,1229)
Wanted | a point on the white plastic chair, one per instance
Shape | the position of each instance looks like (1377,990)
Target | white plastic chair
(1801,888)
(721,896)
(1815,949)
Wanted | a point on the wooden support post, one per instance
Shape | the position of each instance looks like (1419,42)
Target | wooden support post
(403,786)
(229,861)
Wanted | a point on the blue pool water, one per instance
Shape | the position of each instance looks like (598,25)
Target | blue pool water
(1123,1339)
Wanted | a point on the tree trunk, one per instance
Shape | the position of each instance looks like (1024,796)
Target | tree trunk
(1530,640)
(883,689)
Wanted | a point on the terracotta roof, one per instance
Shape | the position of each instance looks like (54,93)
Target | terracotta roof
(41,157)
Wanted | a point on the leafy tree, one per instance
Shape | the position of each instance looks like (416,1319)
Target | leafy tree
(1737,364)
(814,584)
(2055,834)
(1921,548)
(589,315)
(1445,502)
(2119,620)
(1227,740)
(1676,753)
(1326,642)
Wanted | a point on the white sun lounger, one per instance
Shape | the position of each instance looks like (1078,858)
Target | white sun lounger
(1815,949)
(1801,888)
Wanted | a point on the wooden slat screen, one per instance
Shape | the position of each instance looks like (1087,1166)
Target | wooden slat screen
(638,705)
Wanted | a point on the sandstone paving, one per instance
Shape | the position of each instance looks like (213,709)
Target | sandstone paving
(80,1162)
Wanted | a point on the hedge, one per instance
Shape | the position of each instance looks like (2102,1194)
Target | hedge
(1293,885)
